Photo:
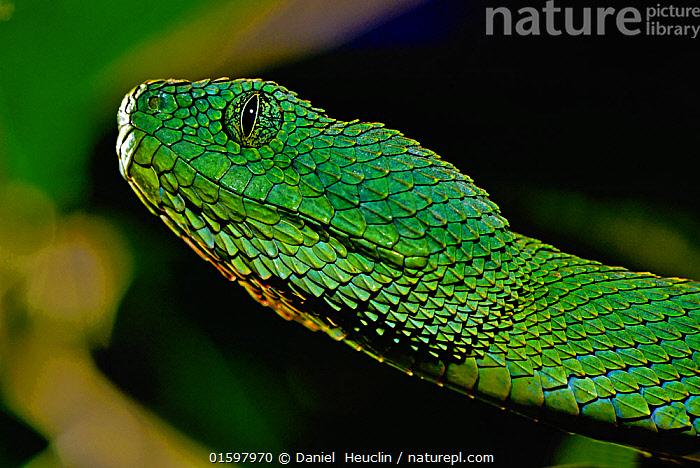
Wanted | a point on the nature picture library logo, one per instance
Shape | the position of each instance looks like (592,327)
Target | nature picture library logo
(553,20)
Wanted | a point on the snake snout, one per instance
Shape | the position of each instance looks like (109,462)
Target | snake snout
(135,150)
(125,149)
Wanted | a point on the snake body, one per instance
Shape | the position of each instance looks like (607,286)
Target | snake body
(353,229)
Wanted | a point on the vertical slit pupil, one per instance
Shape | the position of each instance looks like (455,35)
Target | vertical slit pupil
(249,116)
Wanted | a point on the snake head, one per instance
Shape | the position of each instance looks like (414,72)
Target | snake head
(300,207)
(215,160)
(237,134)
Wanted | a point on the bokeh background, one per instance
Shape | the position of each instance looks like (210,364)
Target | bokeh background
(119,347)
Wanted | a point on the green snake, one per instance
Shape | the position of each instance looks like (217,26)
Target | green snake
(353,229)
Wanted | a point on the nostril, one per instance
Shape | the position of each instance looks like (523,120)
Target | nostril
(153,103)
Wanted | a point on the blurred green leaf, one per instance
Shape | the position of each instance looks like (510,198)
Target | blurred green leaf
(50,52)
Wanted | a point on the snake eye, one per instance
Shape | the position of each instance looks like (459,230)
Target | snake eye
(253,119)
(249,115)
